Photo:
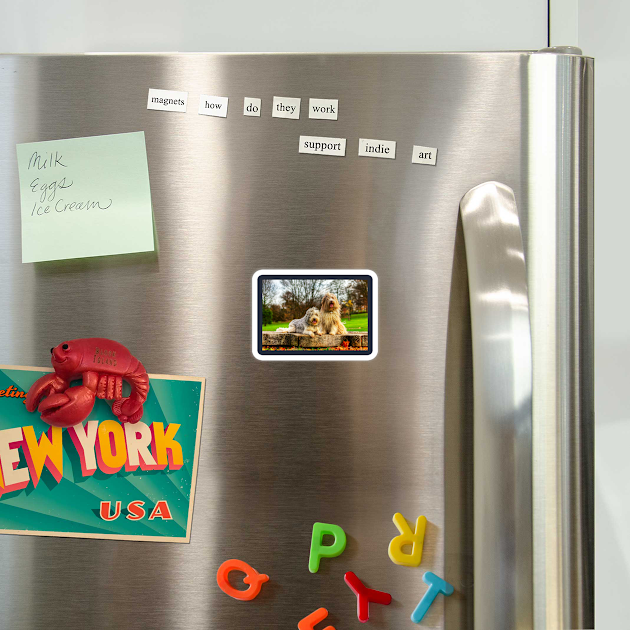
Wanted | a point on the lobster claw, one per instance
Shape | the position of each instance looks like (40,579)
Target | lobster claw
(43,386)
(68,408)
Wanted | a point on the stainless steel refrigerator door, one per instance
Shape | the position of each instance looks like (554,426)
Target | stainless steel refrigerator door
(288,444)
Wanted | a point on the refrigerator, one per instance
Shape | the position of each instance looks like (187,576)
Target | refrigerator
(473,404)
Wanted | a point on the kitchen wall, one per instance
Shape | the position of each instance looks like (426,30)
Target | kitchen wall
(603,33)
(36,26)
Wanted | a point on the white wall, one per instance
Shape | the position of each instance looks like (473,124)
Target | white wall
(260,25)
(603,29)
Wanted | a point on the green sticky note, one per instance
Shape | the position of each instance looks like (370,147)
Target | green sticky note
(85,197)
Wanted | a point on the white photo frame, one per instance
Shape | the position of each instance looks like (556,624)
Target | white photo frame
(349,273)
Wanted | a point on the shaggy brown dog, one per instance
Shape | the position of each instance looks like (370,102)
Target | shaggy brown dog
(330,312)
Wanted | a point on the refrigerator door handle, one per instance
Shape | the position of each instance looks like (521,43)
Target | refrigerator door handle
(502,374)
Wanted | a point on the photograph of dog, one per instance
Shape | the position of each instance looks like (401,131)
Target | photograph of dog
(307,325)
(331,323)
(326,315)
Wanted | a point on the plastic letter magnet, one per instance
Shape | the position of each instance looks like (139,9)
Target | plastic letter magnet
(252,577)
(365,596)
(308,623)
(319,551)
(407,537)
(436,586)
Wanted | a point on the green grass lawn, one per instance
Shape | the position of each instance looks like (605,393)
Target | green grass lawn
(358,323)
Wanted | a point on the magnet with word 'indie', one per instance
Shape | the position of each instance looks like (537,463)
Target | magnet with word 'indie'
(252,577)
(309,623)
(436,586)
(102,364)
(319,550)
(365,595)
(407,537)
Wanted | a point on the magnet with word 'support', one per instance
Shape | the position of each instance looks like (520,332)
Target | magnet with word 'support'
(252,577)
(436,586)
(365,595)
(319,551)
(309,622)
(407,537)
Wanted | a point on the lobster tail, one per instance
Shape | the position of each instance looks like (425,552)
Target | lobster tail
(130,409)
(139,381)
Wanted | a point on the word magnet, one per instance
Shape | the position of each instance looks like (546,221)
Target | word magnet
(407,537)
(424,155)
(319,550)
(285,107)
(167,100)
(251,106)
(365,595)
(252,577)
(213,105)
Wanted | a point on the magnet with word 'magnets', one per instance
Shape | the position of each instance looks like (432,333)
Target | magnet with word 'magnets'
(407,537)
(252,577)
(309,623)
(319,550)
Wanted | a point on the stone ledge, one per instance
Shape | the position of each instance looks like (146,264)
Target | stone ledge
(354,339)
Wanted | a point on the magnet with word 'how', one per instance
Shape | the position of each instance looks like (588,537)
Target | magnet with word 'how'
(319,550)
(309,623)
(365,595)
(436,586)
(407,537)
(252,577)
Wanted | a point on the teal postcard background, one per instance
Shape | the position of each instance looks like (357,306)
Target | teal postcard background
(72,505)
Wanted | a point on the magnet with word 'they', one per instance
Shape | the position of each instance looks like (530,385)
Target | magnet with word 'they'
(252,577)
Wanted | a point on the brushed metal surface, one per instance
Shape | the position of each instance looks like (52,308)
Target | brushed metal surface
(502,372)
(232,196)
(560,273)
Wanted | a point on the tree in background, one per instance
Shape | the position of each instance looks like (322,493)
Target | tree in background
(299,295)
(268,293)
(358,294)
(290,299)
(280,314)
(339,288)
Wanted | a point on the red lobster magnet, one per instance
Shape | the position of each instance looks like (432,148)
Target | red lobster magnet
(102,364)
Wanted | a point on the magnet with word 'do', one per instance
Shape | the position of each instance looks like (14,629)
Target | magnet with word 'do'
(407,537)
(252,577)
